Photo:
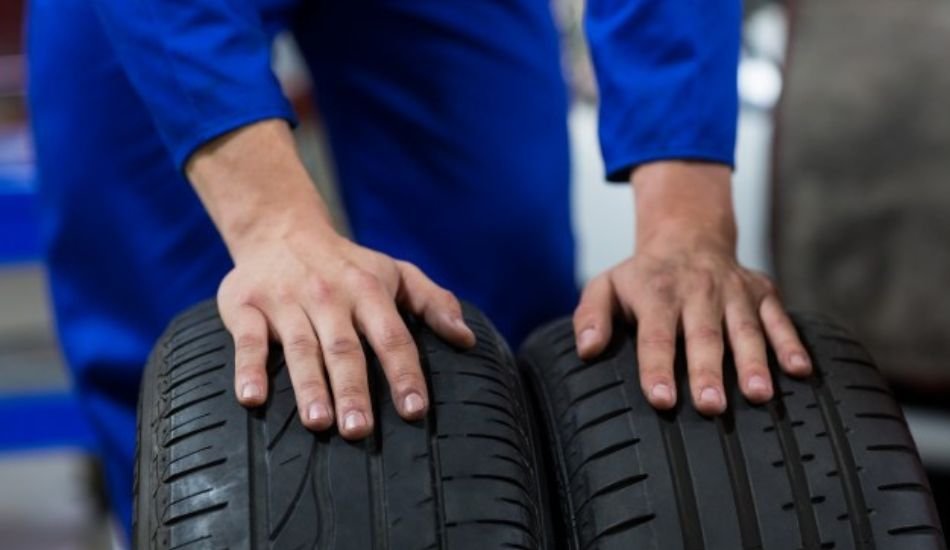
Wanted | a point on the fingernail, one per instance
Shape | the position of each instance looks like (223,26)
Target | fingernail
(710,396)
(799,361)
(661,392)
(251,391)
(413,403)
(318,412)
(757,383)
(587,338)
(354,421)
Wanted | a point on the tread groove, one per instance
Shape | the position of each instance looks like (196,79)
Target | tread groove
(746,511)
(204,466)
(908,486)
(807,524)
(610,449)
(850,484)
(620,527)
(686,504)
(618,485)
(915,530)
(606,417)
(179,438)
(592,393)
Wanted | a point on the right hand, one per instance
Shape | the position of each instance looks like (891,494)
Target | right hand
(300,283)
(317,294)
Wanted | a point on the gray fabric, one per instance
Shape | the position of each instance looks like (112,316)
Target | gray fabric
(862,227)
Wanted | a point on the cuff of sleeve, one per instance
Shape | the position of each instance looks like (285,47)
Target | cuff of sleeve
(618,170)
(216,128)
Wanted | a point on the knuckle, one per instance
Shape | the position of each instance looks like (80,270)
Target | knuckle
(395,338)
(707,375)
(583,314)
(301,343)
(249,342)
(735,280)
(351,394)
(362,280)
(789,345)
(344,346)
(703,281)
(705,334)
(747,328)
(655,373)
(406,266)
(285,295)
(248,296)
(320,290)
(449,300)
(312,386)
(657,339)
(699,383)
(663,286)
(754,366)
(406,378)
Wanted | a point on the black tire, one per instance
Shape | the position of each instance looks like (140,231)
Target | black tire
(827,464)
(214,475)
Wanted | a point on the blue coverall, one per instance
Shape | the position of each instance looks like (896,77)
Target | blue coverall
(447,123)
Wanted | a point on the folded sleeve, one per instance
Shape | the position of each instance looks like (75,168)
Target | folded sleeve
(202,68)
(667,78)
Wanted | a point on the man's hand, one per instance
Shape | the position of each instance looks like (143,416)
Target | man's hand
(684,275)
(297,281)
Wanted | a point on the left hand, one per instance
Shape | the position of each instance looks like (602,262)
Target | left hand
(684,275)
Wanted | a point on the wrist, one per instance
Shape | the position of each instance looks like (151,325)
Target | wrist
(261,227)
(256,189)
(682,200)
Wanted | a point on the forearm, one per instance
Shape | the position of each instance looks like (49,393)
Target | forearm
(253,184)
(684,198)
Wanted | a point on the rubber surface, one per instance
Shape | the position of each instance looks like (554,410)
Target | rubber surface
(212,475)
(827,464)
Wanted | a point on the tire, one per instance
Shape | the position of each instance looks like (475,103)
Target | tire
(828,464)
(211,474)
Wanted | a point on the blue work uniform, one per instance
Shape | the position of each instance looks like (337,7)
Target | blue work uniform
(447,124)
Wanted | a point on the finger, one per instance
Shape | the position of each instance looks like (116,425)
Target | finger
(702,329)
(748,348)
(378,319)
(346,368)
(656,348)
(593,317)
(248,328)
(439,308)
(305,366)
(784,338)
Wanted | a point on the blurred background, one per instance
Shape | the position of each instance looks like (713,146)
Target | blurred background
(842,191)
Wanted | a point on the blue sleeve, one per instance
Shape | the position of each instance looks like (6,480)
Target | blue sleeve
(667,78)
(202,67)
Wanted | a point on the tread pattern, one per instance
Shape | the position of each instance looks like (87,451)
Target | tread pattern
(827,464)
(213,475)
